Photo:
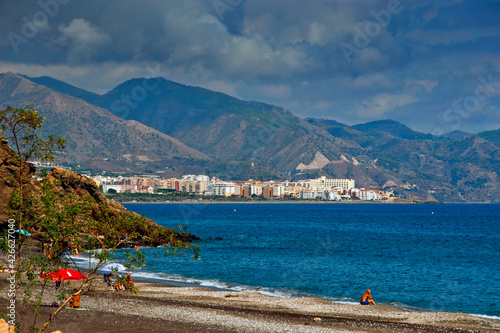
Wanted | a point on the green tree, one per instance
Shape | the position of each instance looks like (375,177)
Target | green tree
(22,127)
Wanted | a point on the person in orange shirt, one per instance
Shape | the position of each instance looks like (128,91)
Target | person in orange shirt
(130,283)
(74,303)
(367,299)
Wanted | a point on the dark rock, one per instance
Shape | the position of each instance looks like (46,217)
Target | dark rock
(186,237)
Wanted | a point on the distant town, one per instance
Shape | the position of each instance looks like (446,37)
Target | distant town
(310,189)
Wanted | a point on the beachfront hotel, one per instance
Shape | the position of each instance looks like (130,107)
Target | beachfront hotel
(325,183)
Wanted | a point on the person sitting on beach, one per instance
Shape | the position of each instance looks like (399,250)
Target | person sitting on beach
(120,283)
(107,277)
(367,299)
(129,283)
(74,303)
(50,251)
(117,286)
(111,282)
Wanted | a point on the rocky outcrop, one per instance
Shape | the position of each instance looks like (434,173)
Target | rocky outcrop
(9,176)
(76,184)
(64,183)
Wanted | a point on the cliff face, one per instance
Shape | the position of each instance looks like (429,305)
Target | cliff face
(65,182)
(73,183)
(9,176)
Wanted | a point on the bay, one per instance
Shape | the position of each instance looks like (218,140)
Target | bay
(422,257)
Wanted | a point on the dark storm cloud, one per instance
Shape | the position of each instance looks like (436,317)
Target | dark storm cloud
(349,60)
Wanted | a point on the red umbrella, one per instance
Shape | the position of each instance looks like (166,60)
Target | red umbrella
(65,274)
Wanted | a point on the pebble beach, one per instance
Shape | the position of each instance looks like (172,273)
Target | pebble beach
(162,308)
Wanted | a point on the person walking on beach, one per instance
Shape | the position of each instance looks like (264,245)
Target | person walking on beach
(367,299)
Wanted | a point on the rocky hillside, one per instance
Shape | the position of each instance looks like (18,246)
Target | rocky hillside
(417,164)
(220,126)
(491,136)
(392,128)
(68,183)
(94,136)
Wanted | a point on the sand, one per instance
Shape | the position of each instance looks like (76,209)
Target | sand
(161,308)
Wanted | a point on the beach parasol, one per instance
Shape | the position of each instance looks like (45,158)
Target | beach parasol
(114,266)
(23,232)
(65,274)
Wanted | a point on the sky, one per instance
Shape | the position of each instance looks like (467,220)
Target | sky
(431,65)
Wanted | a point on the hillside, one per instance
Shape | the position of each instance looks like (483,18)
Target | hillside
(69,183)
(451,170)
(491,136)
(94,136)
(457,135)
(223,127)
(64,88)
(393,128)
(343,131)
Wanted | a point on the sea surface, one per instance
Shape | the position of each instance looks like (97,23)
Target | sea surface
(422,257)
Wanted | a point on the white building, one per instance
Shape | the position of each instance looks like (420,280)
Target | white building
(365,195)
(200,178)
(313,194)
(278,191)
(255,189)
(223,188)
(325,183)
(119,188)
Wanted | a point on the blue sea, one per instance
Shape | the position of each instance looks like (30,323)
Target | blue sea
(422,257)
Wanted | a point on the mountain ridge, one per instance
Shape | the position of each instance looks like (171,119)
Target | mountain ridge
(233,133)
(91,132)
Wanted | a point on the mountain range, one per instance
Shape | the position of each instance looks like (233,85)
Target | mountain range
(156,125)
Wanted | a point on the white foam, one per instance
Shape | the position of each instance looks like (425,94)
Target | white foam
(213,284)
(346,302)
(487,317)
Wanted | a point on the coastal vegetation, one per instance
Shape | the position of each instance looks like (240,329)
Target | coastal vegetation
(49,215)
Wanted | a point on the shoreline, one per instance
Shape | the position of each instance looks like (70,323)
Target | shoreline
(277,202)
(194,285)
(169,282)
(184,308)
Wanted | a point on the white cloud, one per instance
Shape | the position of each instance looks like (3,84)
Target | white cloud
(321,106)
(275,91)
(83,39)
(83,76)
(383,103)
(427,84)
(363,81)
(318,34)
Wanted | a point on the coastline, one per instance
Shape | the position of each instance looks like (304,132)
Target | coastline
(276,202)
(199,309)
